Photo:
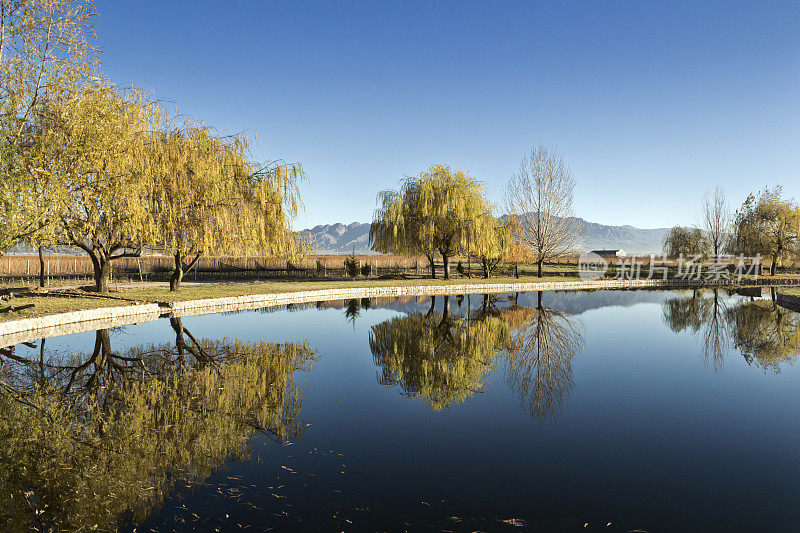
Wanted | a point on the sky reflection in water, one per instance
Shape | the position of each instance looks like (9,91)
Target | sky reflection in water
(648,409)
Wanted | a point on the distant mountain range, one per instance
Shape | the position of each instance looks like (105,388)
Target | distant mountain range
(342,239)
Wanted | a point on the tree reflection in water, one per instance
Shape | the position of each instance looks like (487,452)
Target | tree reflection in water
(538,362)
(766,334)
(101,439)
(440,358)
(444,359)
(702,316)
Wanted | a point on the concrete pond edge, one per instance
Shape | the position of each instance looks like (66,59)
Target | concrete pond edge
(28,329)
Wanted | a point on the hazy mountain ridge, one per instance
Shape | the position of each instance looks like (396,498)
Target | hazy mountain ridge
(341,239)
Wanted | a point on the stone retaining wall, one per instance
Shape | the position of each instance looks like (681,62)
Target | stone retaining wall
(27,329)
(16,331)
(256,301)
(788,300)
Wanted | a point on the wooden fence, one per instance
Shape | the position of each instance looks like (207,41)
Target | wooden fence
(25,268)
(158,268)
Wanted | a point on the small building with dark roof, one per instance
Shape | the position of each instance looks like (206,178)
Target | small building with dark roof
(609,253)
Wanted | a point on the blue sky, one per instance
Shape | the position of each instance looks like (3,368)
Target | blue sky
(649,102)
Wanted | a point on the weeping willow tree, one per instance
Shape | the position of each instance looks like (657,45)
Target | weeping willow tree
(686,241)
(210,197)
(440,210)
(768,225)
(493,244)
(87,441)
(437,357)
(269,200)
(539,354)
(45,54)
(102,188)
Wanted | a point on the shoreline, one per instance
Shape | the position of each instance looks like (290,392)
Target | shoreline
(53,325)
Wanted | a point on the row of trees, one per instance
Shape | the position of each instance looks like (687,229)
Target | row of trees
(110,171)
(447,212)
(766,224)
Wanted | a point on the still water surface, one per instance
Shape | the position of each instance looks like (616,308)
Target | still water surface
(615,410)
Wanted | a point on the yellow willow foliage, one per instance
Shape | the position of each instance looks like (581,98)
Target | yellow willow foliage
(493,242)
(441,360)
(263,224)
(439,210)
(102,184)
(768,225)
(45,54)
(80,459)
(211,198)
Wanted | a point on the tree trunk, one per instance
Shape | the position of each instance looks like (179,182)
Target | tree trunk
(100,357)
(539,267)
(516,271)
(539,300)
(433,266)
(180,342)
(446,261)
(177,273)
(774,263)
(485,269)
(41,267)
(102,271)
(433,306)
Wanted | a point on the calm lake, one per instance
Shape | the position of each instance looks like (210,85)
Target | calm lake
(609,410)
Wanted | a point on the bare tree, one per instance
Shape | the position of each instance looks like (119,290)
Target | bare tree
(716,219)
(539,199)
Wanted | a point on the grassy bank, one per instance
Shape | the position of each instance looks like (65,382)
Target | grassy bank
(51,305)
(132,294)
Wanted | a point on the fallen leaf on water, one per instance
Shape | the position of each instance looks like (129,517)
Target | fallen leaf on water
(516,522)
